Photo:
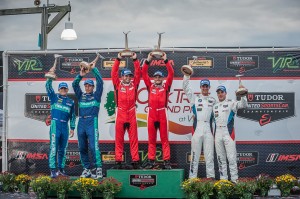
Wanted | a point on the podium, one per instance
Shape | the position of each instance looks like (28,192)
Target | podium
(149,183)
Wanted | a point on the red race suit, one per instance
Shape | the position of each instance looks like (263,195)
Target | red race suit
(157,111)
(125,98)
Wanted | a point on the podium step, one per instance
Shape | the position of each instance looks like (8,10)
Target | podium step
(149,183)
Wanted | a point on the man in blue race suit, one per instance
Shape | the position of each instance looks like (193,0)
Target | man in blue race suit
(62,110)
(88,134)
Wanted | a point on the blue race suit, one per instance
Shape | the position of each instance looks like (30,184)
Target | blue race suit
(62,109)
(88,135)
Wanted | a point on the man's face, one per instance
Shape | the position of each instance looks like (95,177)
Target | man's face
(63,91)
(158,80)
(204,89)
(126,78)
(88,88)
(221,95)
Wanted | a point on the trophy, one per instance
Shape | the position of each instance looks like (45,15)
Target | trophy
(241,91)
(126,52)
(51,74)
(87,66)
(157,52)
(187,70)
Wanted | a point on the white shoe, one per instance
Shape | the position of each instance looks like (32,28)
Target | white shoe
(98,173)
(86,173)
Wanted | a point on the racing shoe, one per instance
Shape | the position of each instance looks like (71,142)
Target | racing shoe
(53,173)
(150,164)
(61,172)
(136,165)
(98,174)
(167,165)
(86,173)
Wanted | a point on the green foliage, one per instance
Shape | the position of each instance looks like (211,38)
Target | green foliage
(110,185)
(110,104)
(8,181)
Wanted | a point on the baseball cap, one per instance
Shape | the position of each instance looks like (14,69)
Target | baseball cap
(62,85)
(222,88)
(126,72)
(204,82)
(89,81)
(158,73)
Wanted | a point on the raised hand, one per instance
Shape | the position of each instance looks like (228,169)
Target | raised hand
(149,58)
(134,56)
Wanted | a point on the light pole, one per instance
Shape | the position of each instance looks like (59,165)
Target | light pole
(46,26)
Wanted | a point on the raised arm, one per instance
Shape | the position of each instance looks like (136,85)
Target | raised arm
(76,87)
(170,73)
(145,72)
(188,90)
(99,84)
(243,103)
(50,90)
(137,72)
(114,72)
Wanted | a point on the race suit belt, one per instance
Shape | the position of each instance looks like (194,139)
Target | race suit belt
(159,109)
(202,121)
(86,116)
(59,120)
(128,109)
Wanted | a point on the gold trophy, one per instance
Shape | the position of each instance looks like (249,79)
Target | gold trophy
(51,74)
(87,66)
(187,70)
(241,91)
(126,52)
(157,52)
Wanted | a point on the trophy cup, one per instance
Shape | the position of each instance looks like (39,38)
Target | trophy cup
(241,91)
(87,66)
(51,74)
(126,52)
(187,70)
(157,52)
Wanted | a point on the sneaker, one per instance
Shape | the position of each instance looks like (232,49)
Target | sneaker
(167,165)
(150,164)
(53,173)
(61,172)
(86,173)
(98,174)
(136,165)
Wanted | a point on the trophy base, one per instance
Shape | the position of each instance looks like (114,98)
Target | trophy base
(50,76)
(157,54)
(86,66)
(187,70)
(241,92)
(126,53)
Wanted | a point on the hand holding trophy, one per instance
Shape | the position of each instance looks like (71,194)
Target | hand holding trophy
(241,91)
(126,52)
(187,70)
(87,67)
(51,74)
(157,52)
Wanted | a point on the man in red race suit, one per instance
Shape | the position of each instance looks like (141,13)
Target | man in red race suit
(125,98)
(157,111)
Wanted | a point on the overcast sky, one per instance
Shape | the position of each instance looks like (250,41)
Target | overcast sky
(187,23)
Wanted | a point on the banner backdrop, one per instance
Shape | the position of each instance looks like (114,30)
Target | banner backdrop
(272,78)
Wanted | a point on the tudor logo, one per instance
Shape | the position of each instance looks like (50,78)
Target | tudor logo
(250,97)
(268,107)
(38,98)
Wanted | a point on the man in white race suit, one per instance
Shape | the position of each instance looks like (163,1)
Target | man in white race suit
(224,112)
(202,106)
